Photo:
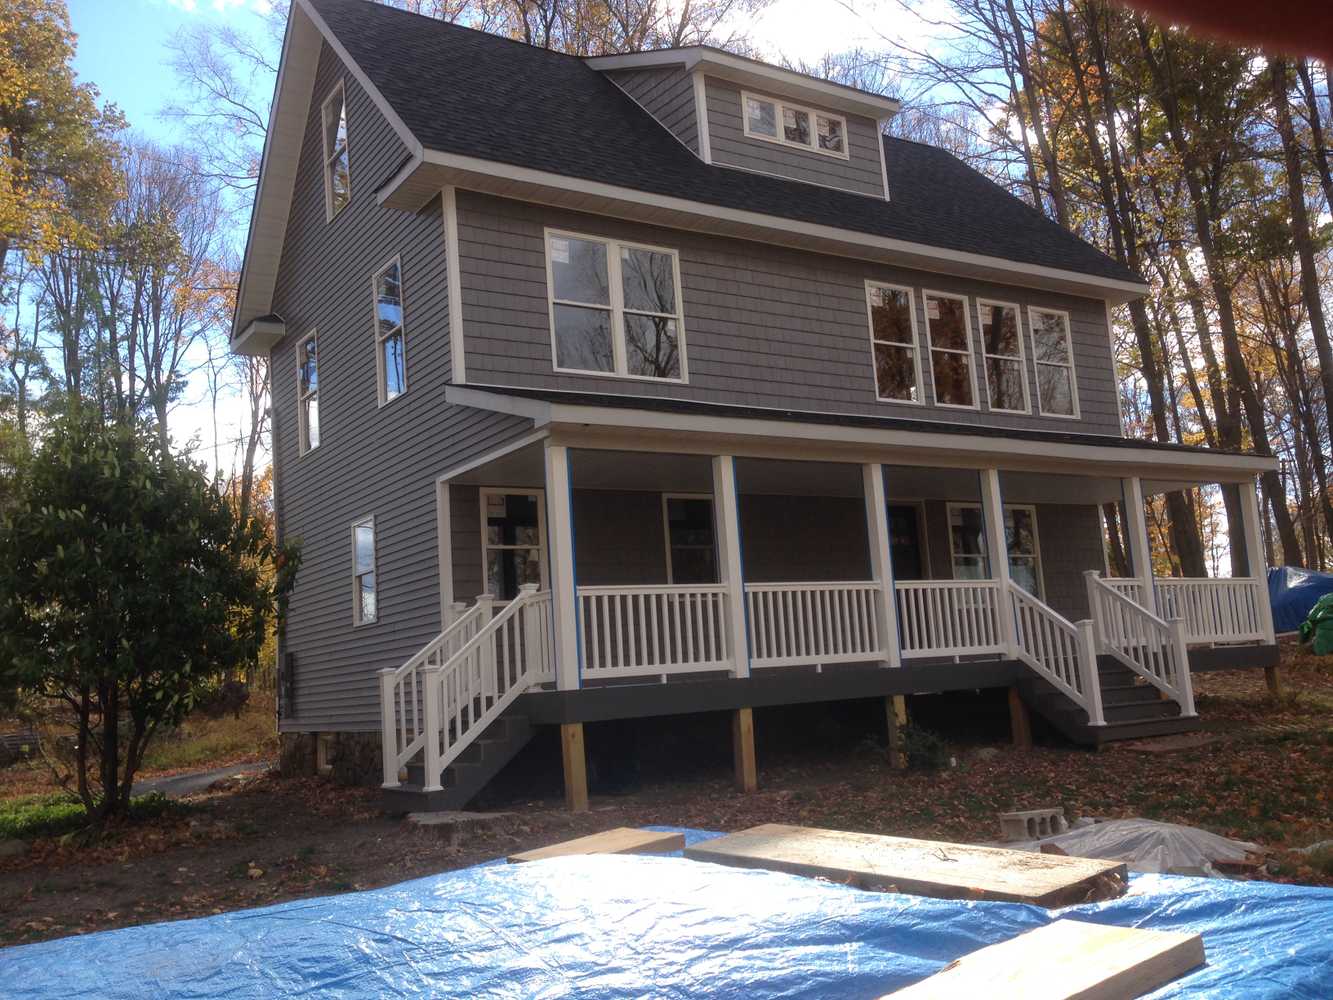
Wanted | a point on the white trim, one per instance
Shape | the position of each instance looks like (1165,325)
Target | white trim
(1021,358)
(1031,509)
(916,347)
(381,373)
(302,420)
(1069,352)
(616,306)
(971,354)
(331,156)
(666,529)
(444,539)
(483,492)
(457,357)
(883,157)
(701,116)
(1119,403)
(560,542)
(259,337)
(730,566)
(357,619)
(453,472)
(881,560)
(780,107)
(645,109)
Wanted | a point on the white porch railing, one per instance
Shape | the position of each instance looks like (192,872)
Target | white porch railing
(1213,609)
(802,623)
(1063,653)
(1129,586)
(632,631)
(949,617)
(1154,649)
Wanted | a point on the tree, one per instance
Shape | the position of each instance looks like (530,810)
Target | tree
(129,585)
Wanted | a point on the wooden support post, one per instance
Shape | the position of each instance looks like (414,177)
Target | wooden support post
(742,745)
(576,766)
(1274,681)
(1019,723)
(895,709)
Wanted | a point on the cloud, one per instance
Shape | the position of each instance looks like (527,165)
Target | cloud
(222,6)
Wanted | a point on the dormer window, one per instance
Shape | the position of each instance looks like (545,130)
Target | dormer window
(778,121)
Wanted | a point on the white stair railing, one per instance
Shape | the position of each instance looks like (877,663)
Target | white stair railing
(1151,647)
(656,629)
(949,617)
(801,623)
(1062,653)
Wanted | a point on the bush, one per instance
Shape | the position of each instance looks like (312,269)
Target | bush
(924,750)
(36,816)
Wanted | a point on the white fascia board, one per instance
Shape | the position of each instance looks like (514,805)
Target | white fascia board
(259,337)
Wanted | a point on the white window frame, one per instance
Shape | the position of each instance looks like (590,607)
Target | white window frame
(500,491)
(358,619)
(1031,509)
(1069,350)
(666,529)
(381,375)
(871,286)
(971,354)
(302,397)
(339,92)
(779,104)
(986,356)
(619,348)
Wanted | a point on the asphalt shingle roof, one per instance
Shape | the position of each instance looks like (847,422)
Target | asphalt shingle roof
(475,94)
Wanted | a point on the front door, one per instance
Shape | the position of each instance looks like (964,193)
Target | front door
(513,541)
(905,548)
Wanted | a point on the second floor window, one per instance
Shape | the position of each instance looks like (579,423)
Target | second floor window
(390,342)
(893,343)
(950,334)
(1002,344)
(337,165)
(1053,353)
(307,393)
(615,308)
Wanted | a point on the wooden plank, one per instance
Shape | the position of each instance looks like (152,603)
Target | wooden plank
(742,745)
(1066,960)
(896,711)
(1019,724)
(919,867)
(621,840)
(575,765)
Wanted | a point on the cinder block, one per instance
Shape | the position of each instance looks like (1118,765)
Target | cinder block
(1032,824)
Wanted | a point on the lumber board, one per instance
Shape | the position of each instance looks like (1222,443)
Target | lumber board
(919,867)
(1065,960)
(621,840)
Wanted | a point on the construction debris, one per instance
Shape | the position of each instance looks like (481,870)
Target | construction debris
(1146,845)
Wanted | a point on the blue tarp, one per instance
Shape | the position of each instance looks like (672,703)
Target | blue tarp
(620,927)
(1293,592)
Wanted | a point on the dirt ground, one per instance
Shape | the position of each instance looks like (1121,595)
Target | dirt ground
(1261,772)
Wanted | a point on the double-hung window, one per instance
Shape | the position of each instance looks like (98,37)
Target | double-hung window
(615,308)
(967,545)
(1002,345)
(307,393)
(893,343)
(792,125)
(390,341)
(1053,353)
(512,530)
(364,591)
(950,333)
(337,165)
(691,554)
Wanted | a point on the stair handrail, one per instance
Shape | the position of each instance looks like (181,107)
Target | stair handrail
(1061,652)
(1152,647)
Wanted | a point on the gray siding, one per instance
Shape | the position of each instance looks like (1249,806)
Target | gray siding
(666,94)
(764,326)
(372,460)
(730,146)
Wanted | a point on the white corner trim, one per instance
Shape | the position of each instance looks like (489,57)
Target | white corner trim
(457,356)
(883,161)
(445,548)
(1115,376)
(701,117)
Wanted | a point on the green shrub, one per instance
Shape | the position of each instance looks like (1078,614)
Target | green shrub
(34,816)
(924,750)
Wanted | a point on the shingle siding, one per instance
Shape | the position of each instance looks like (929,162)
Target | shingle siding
(764,326)
(860,172)
(668,95)
(371,460)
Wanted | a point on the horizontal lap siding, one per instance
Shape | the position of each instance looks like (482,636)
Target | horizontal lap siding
(860,172)
(372,461)
(764,326)
(667,95)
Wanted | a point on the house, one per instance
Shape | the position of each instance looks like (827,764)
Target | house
(648,384)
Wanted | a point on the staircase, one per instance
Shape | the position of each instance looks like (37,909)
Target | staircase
(470,772)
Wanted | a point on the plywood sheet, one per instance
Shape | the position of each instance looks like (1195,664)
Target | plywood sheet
(621,840)
(920,867)
(1066,960)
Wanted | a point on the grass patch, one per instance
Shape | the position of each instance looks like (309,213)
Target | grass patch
(34,816)
(203,742)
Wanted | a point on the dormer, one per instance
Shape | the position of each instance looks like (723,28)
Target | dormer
(746,115)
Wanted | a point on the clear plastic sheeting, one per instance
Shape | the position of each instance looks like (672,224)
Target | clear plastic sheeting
(623,926)
(1148,846)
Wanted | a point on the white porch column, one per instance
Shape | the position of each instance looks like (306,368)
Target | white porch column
(727,527)
(1254,556)
(1136,527)
(560,556)
(881,564)
(997,549)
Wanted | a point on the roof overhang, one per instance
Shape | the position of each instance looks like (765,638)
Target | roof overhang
(259,336)
(422,178)
(758,76)
(580,424)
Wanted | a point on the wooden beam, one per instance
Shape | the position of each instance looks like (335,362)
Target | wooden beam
(1274,681)
(742,745)
(919,867)
(576,766)
(895,710)
(1020,723)
(1066,960)
(621,840)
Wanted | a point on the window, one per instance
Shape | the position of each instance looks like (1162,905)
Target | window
(364,594)
(337,166)
(390,344)
(893,343)
(792,125)
(512,533)
(691,554)
(1053,352)
(967,544)
(615,308)
(1002,345)
(950,333)
(307,393)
